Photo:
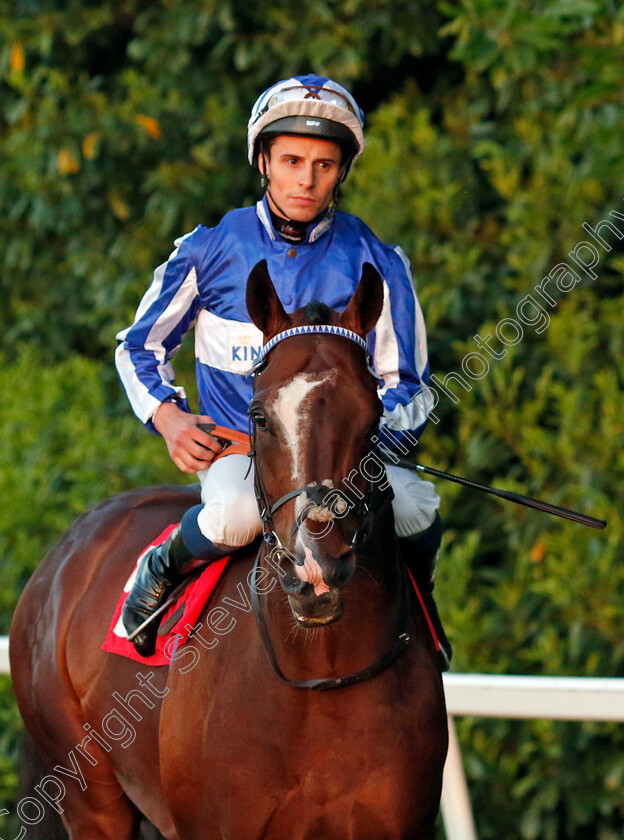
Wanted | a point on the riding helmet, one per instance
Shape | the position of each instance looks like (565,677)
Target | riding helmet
(313,106)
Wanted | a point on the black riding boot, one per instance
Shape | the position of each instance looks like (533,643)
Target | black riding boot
(158,575)
(156,578)
(419,554)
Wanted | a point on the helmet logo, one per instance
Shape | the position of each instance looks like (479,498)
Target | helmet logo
(313,122)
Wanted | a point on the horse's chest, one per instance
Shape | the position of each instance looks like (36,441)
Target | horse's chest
(284,763)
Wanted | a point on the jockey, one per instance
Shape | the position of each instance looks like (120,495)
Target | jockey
(303,136)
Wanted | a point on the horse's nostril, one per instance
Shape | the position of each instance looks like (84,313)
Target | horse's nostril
(343,568)
(342,577)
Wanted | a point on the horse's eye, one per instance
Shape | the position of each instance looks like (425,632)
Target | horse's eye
(260,422)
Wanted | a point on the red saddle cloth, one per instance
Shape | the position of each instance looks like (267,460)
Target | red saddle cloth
(187,609)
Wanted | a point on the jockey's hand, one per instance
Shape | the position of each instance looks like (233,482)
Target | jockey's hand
(190,449)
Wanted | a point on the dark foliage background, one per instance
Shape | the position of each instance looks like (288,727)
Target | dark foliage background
(494,131)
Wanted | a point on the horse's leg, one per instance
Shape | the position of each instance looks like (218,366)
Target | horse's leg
(63,681)
(94,806)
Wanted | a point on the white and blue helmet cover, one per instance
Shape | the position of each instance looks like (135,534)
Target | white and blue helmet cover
(310,97)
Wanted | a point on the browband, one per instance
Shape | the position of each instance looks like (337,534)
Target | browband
(312,329)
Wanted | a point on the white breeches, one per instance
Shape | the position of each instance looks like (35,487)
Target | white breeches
(230,518)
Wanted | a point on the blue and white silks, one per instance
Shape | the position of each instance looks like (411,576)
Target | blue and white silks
(203,284)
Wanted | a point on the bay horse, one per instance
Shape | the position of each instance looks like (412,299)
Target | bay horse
(319,712)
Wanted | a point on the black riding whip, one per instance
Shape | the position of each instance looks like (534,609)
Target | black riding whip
(503,494)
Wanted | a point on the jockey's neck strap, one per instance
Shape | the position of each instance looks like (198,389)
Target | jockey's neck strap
(233,442)
(289,229)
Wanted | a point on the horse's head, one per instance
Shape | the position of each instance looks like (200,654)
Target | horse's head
(314,412)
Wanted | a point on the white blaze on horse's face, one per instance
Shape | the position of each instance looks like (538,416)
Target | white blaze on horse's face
(295,418)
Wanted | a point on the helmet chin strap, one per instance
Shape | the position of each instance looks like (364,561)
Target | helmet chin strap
(282,213)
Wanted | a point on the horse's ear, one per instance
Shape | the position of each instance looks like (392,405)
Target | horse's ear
(263,304)
(364,308)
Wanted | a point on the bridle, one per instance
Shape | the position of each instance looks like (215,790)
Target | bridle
(370,507)
(367,506)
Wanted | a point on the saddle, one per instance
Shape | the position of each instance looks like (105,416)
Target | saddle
(188,599)
(180,618)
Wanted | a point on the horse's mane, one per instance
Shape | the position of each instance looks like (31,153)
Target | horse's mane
(318,313)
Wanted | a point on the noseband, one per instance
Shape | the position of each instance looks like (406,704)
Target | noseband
(370,506)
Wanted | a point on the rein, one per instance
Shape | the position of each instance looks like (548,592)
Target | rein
(327,683)
(369,507)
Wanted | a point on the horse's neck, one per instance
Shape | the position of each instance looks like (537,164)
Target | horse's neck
(368,629)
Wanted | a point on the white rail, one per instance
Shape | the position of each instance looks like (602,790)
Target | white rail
(4,655)
(485,695)
(455,804)
(554,698)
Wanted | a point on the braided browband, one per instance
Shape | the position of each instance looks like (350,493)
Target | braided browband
(308,329)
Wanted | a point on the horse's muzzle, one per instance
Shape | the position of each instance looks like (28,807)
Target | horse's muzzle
(312,610)
(313,588)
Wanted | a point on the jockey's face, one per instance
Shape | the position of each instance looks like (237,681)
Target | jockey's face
(302,173)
